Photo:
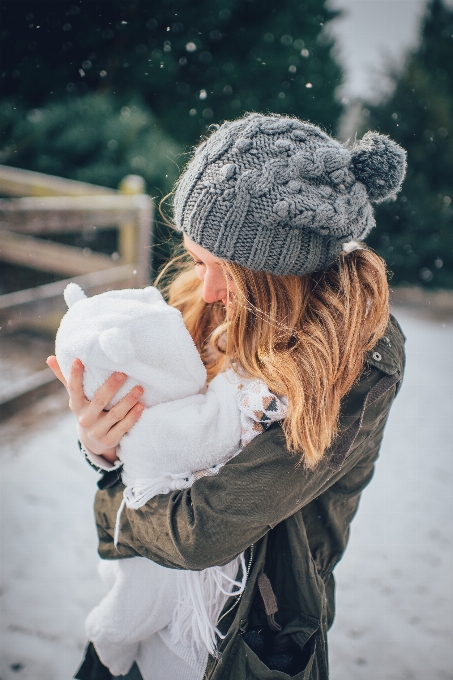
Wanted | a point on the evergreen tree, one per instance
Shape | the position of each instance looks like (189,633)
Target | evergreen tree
(415,232)
(194,62)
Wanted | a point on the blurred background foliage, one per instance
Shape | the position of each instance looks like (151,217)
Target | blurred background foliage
(415,233)
(192,62)
(89,138)
(96,90)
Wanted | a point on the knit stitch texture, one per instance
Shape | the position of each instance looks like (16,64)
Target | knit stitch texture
(279,195)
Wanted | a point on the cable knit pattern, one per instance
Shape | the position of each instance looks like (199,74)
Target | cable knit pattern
(279,195)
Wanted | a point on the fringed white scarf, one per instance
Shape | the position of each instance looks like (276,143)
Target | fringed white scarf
(200,602)
(199,592)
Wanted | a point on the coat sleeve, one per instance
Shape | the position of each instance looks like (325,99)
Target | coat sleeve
(219,517)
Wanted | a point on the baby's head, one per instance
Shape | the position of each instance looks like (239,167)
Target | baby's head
(133,331)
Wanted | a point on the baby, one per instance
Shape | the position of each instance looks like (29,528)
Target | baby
(186,431)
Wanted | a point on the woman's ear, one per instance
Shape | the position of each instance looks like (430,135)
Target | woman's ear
(117,345)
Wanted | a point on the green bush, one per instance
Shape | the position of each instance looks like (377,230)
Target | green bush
(91,139)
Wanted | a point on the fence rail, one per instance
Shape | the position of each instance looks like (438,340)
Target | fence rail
(41,207)
(60,214)
(46,256)
(43,307)
(18,182)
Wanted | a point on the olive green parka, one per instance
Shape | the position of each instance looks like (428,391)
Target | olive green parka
(293,524)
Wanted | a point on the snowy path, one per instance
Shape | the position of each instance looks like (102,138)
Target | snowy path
(395,583)
(394,595)
(48,558)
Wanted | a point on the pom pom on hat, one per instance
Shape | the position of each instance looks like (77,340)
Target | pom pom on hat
(379,164)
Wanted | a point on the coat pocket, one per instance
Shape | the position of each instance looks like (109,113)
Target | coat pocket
(256,669)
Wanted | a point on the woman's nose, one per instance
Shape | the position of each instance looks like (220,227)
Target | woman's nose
(214,285)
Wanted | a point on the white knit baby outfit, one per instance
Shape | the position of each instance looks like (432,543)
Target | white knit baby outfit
(176,441)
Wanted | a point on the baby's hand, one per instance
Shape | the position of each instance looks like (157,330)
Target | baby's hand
(100,431)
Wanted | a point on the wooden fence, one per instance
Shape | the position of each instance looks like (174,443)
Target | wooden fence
(41,206)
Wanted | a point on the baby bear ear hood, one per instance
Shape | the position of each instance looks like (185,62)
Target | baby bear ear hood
(117,345)
(73,293)
(133,331)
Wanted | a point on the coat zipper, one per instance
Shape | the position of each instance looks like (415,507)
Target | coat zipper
(238,599)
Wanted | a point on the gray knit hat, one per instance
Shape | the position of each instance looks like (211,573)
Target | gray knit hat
(279,195)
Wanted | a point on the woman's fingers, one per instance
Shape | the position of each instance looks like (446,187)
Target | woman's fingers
(122,408)
(101,398)
(104,429)
(116,414)
(77,399)
(105,433)
(74,384)
(53,364)
(113,436)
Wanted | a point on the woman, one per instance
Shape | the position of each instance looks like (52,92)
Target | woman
(272,211)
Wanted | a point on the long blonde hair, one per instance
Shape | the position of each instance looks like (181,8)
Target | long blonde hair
(304,336)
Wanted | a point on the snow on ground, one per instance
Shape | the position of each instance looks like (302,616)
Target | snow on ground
(394,586)
(48,558)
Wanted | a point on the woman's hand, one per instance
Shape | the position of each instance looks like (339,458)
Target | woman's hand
(100,431)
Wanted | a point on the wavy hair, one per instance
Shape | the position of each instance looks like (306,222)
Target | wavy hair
(304,336)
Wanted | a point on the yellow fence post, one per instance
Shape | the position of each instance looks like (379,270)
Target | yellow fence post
(135,238)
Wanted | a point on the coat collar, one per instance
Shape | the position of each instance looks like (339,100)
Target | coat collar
(387,354)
